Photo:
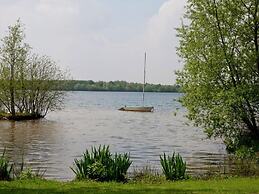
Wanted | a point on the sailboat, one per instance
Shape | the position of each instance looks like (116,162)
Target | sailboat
(142,108)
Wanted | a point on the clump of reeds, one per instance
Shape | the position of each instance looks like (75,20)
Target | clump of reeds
(5,168)
(174,168)
(100,165)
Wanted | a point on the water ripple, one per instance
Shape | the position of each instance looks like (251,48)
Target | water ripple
(91,118)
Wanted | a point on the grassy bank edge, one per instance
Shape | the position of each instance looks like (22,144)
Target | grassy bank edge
(229,185)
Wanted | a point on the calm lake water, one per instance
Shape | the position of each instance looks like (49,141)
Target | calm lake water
(92,118)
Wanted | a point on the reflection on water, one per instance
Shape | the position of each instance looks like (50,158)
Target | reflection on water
(91,118)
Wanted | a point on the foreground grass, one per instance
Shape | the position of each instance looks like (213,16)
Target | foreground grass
(232,185)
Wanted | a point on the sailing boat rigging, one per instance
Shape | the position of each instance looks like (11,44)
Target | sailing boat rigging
(142,108)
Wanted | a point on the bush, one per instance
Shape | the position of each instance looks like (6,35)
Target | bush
(174,168)
(101,165)
(29,174)
(21,172)
(5,168)
(147,174)
(244,163)
(245,152)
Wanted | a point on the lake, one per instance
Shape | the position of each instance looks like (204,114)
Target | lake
(92,118)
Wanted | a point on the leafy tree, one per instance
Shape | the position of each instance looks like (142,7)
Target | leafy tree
(219,47)
(29,83)
(43,88)
(14,53)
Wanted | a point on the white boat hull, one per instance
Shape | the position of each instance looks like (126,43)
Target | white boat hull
(138,109)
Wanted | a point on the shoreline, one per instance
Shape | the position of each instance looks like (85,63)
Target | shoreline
(23,117)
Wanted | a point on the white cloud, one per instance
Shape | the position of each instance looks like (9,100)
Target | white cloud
(57,7)
(161,40)
(96,43)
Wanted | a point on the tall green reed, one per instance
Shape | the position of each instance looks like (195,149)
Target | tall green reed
(174,168)
(101,165)
(6,168)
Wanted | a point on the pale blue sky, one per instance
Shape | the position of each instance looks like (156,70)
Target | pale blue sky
(102,39)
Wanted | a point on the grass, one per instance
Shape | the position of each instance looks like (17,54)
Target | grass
(226,186)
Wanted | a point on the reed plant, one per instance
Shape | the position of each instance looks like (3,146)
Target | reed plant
(101,165)
(174,168)
(6,168)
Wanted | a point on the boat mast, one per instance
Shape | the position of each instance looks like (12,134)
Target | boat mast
(144,82)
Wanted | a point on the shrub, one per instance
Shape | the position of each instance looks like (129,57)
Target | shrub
(244,164)
(147,174)
(174,168)
(20,171)
(29,174)
(5,168)
(245,152)
(101,165)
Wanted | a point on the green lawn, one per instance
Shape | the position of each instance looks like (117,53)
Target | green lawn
(232,185)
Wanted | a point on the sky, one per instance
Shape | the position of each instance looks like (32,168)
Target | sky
(102,39)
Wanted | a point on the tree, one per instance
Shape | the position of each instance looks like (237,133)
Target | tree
(29,83)
(43,88)
(14,54)
(220,79)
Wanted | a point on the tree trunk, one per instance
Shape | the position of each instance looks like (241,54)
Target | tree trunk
(12,91)
(256,22)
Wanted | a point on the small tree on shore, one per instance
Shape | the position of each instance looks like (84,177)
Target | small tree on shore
(29,82)
(220,78)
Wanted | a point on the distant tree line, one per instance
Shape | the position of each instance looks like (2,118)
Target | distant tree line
(89,85)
